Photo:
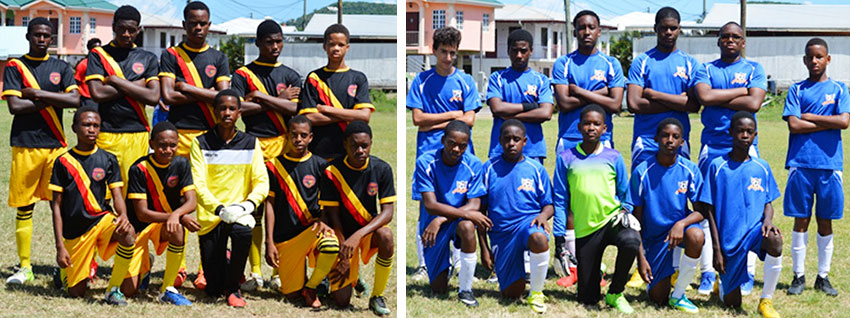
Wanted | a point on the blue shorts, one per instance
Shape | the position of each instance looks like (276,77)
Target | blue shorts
(660,258)
(804,184)
(438,257)
(736,260)
(708,153)
(643,149)
(508,246)
(565,144)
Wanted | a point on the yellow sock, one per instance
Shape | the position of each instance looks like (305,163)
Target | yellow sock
(121,265)
(173,255)
(274,271)
(328,250)
(183,256)
(382,275)
(23,235)
(254,251)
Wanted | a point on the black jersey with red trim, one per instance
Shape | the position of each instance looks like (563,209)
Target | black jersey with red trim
(122,114)
(162,186)
(343,88)
(274,79)
(294,184)
(358,192)
(204,68)
(84,178)
(38,129)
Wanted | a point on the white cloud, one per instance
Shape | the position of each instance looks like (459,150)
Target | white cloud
(164,8)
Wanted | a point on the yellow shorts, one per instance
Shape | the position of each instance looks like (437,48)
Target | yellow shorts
(273,146)
(364,252)
(127,147)
(141,263)
(31,171)
(82,250)
(184,144)
(292,255)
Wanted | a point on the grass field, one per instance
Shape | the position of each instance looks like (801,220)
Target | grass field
(773,144)
(41,299)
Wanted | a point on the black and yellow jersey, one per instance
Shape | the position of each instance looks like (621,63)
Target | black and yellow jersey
(201,68)
(294,185)
(271,79)
(123,114)
(342,88)
(161,186)
(358,192)
(41,129)
(84,178)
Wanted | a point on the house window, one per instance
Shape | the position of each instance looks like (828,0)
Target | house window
(25,21)
(544,36)
(92,25)
(75,25)
(172,41)
(439,19)
(485,22)
(459,20)
(162,40)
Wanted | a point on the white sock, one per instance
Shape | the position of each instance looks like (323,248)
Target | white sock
(751,263)
(539,265)
(677,256)
(570,236)
(687,269)
(420,254)
(707,256)
(526,260)
(467,270)
(825,248)
(772,269)
(798,252)
(455,256)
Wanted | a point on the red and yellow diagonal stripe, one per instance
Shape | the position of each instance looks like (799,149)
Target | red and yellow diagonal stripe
(349,199)
(112,68)
(48,113)
(190,73)
(290,190)
(326,95)
(81,180)
(160,201)
(254,84)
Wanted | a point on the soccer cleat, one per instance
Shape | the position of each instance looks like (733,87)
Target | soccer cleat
(766,309)
(378,305)
(563,258)
(360,288)
(235,300)
(636,281)
(467,298)
(537,301)
(172,296)
(569,280)
(274,283)
(823,284)
(421,274)
(493,279)
(310,298)
(146,282)
(706,283)
(619,302)
(23,275)
(57,278)
(115,297)
(747,286)
(181,277)
(324,288)
(797,285)
(253,282)
(200,282)
(683,304)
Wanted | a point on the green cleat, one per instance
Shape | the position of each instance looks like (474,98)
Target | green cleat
(23,275)
(683,304)
(619,302)
(537,301)
(378,305)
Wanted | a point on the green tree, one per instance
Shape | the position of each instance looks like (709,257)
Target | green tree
(234,49)
(622,49)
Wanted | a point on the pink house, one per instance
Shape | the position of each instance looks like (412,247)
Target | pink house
(74,21)
(474,18)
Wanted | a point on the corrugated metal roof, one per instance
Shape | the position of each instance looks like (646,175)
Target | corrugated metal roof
(780,16)
(359,25)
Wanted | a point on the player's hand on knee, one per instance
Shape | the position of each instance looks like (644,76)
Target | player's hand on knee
(172,225)
(272,257)
(323,228)
(190,223)
(429,236)
(767,227)
(122,225)
(542,221)
(479,219)
(675,236)
(63,258)
(347,247)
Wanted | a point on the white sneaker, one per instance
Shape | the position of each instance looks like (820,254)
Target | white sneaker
(23,275)
(274,283)
(253,282)
(421,274)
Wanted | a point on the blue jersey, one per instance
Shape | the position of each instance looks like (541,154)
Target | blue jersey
(722,75)
(821,149)
(435,94)
(515,87)
(515,190)
(738,191)
(663,192)
(452,185)
(590,72)
(668,73)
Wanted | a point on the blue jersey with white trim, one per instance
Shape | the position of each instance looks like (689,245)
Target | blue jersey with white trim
(663,192)
(590,72)
(515,190)
(451,185)
(520,87)
(821,149)
(668,73)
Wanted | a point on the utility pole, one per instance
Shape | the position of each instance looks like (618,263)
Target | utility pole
(339,11)
(569,34)
(703,10)
(744,24)
(304,16)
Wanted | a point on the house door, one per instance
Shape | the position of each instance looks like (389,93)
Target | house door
(412,28)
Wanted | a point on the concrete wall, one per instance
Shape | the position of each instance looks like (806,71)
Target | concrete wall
(376,60)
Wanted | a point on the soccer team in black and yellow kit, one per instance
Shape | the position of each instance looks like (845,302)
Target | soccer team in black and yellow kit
(327,201)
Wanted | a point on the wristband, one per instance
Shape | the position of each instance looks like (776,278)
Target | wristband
(529,106)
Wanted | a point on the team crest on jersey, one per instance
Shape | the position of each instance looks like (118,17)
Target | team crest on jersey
(527,185)
(98,174)
(457,96)
(138,68)
(598,75)
(308,181)
(460,187)
(681,72)
(280,88)
(352,90)
(755,184)
(55,78)
(171,181)
(740,78)
(683,187)
(531,90)
(828,99)
(372,189)
(210,70)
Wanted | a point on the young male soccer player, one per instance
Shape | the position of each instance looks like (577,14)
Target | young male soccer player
(590,180)
(583,77)
(161,196)
(447,182)
(80,74)
(295,228)
(726,85)
(231,181)
(520,93)
(737,194)
(82,221)
(358,195)
(816,110)
(659,191)
(192,73)
(36,87)
(519,205)
(333,96)
(271,93)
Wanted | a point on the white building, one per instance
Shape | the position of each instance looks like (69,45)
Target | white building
(159,33)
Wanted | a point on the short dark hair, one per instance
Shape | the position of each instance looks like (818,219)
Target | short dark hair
(817,41)
(446,36)
(266,28)
(667,12)
(300,119)
(458,126)
(511,123)
(591,108)
(741,115)
(335,28)
(669,121)
(356,127)
(227,92)
(127,12)
(584,13)
(80,111)
(162,126)
(520,35)
(719,31)
(194,5)
(90,44)
(37,21)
